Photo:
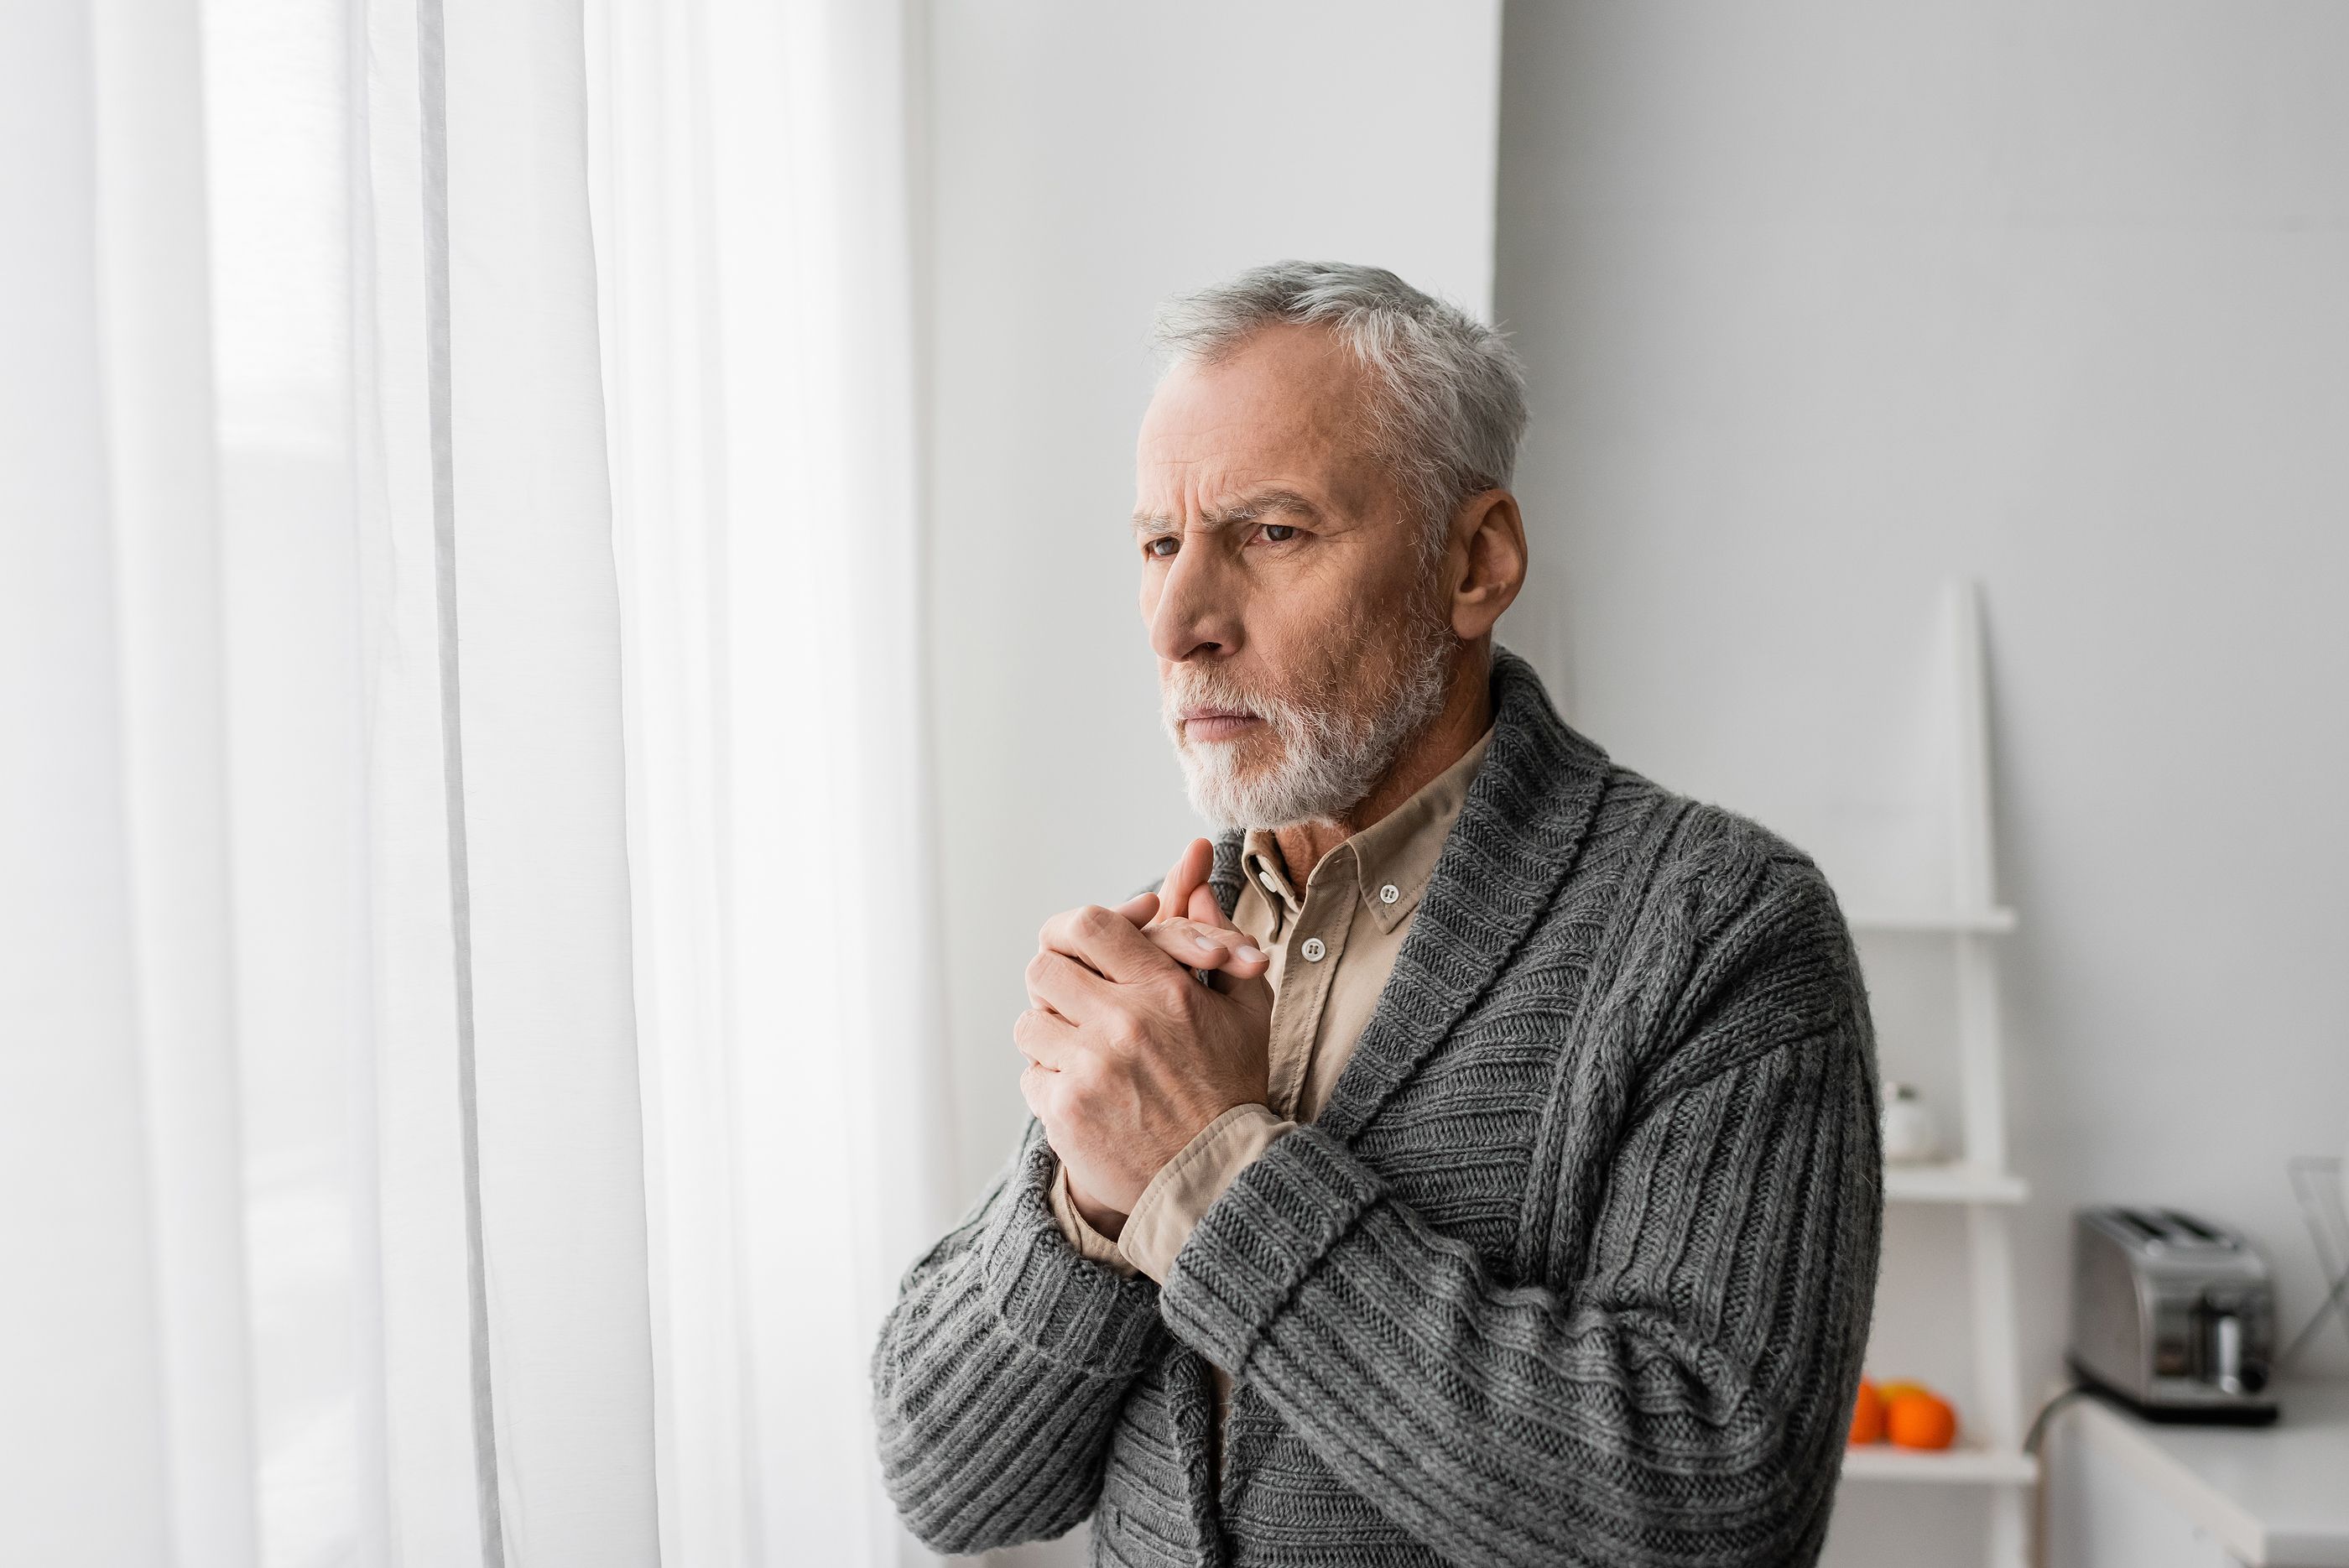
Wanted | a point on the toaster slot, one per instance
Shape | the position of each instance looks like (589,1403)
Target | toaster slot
(2191,1229)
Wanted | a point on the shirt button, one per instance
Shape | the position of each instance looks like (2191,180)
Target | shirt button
(1313,949)
(1271,883)
(1390,893)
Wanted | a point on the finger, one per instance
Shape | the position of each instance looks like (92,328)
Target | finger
(1045,1040)
(1036,1087)
(1206,911)
(1105,941)
(1190,871)
(1061,984)
(1141,909)
(1175,892)
(1245,961)
(1199,946)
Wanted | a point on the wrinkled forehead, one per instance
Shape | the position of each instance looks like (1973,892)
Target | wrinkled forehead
(1289,407)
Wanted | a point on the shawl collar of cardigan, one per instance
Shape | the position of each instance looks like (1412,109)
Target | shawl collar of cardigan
(1528,811)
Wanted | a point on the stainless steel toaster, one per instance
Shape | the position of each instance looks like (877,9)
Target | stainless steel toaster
(2172,1315)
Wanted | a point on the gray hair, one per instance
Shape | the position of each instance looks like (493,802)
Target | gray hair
(1451,403)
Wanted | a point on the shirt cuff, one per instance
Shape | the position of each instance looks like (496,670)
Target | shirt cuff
(1188,1185)
(1090,1243)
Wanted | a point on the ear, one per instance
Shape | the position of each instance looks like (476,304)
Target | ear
(1487,560)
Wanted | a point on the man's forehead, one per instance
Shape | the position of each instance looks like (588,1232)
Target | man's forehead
(1248,481)
(1277,415)
(1221,509)
(1267,393)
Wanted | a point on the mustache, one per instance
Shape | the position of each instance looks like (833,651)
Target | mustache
(1190,687)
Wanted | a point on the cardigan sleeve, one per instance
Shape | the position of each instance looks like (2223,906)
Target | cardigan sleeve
(1000,1372)
(1680,1394)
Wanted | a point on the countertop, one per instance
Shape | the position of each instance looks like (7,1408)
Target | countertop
(2270,1495)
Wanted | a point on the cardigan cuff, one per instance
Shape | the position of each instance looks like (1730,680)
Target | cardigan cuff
(1257,1244)
(1071,1311)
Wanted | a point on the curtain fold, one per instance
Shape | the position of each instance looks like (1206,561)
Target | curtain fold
(754,182)
(81,1320)
(441,1138)
(531,717)
(159,417)
(468,1003)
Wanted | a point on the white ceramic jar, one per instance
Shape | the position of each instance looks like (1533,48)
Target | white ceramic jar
(1912,1133)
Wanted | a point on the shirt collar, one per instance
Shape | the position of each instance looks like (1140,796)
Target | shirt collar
(1397,852)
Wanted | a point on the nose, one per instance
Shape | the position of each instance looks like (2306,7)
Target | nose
(1197,612)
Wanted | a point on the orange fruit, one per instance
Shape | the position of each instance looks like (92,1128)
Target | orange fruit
(1889,1392)
(1868,1415)
(1920,1419)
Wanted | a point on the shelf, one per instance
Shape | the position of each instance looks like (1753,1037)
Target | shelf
(1995,920)
(1952,1184)
(1952,1466)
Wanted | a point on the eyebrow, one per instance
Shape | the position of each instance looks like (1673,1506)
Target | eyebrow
(1231,515)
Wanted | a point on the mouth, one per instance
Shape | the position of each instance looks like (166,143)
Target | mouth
(1217,723)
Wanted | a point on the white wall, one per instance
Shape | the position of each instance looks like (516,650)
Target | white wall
(1086,162)
(1824,302)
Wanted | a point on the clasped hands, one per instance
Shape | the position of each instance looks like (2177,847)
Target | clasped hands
(1130,1055)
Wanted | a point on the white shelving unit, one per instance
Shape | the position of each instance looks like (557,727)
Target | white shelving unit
(1990,1451)
(1958,1182)
(1964,1464)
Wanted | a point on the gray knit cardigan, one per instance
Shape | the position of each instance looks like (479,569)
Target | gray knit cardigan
(1575,1268)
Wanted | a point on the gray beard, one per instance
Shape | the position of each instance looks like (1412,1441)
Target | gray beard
(1332,756)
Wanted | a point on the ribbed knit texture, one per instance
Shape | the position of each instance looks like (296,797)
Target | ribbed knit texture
(1575,1268)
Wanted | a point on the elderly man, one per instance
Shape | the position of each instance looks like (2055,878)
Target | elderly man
(1468,1157)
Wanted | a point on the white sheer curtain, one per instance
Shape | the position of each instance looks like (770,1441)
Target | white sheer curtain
(753,207)
(465,957)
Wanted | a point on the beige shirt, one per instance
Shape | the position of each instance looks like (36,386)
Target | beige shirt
(1332,948)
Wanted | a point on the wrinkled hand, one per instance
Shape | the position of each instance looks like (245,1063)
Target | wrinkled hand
(1186,924)
(1129,1055)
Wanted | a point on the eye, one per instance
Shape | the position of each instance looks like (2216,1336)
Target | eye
(1160,548)
(1279,533)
